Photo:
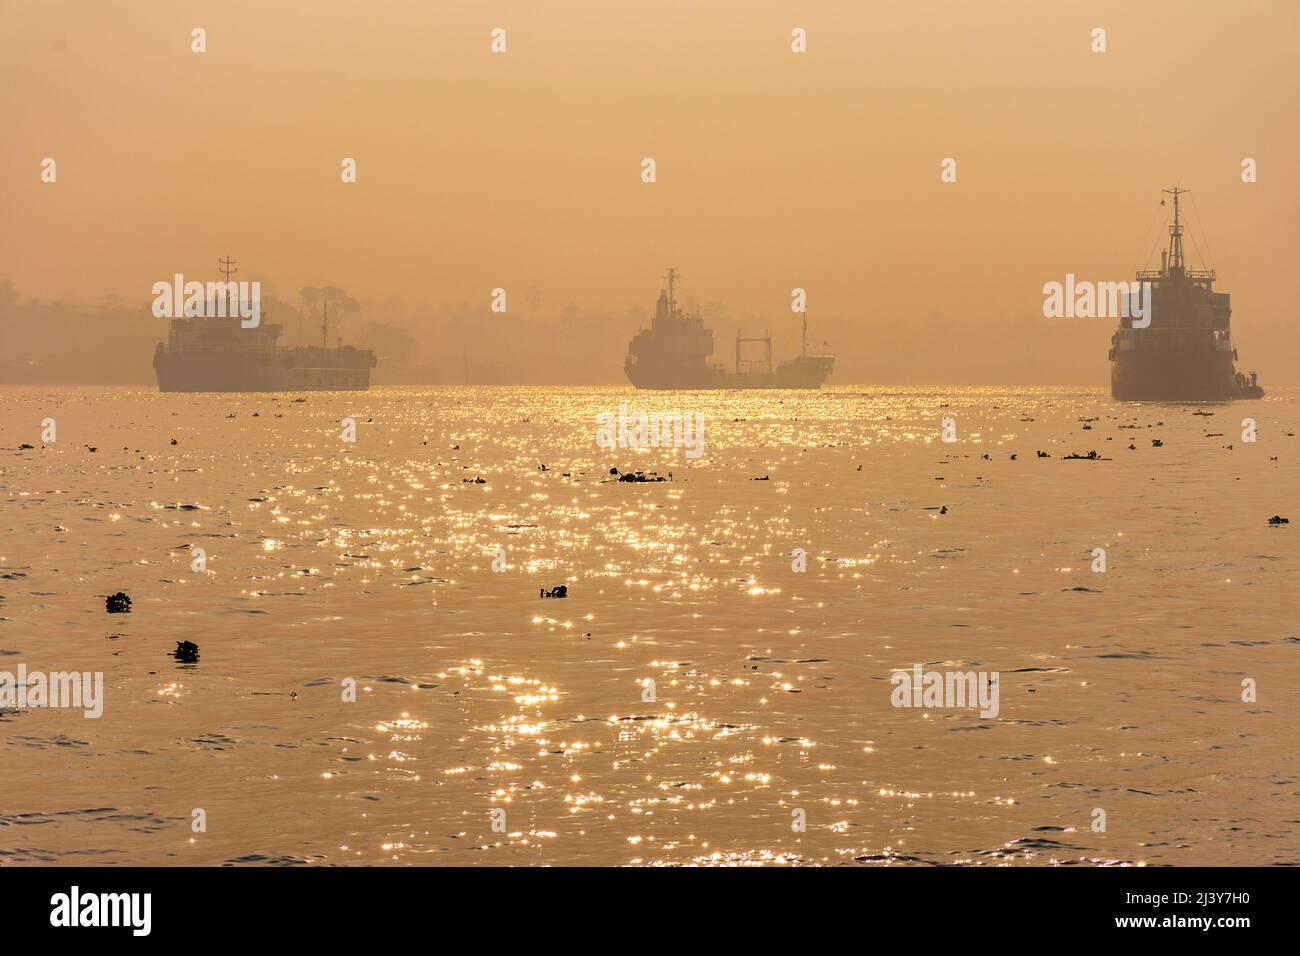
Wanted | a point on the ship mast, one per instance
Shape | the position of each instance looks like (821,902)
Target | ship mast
(672,302)
(1176,232)
(324,325)
(805,334)
(227,269)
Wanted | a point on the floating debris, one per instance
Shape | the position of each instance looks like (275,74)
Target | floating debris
(117,603)
(186,652)
(639,475)
(1278,520)
(559,591)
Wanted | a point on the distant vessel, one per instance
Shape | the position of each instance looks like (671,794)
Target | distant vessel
(220,355)
(1186,353)
(674,354)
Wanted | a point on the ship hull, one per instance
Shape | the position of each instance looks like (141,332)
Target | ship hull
(804,373)
(1188,377)
(228,371)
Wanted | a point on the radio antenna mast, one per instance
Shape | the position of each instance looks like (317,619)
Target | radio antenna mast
(228,269)
(672,302)
(1176,231)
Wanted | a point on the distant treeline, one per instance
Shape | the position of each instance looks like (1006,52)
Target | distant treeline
(112,343)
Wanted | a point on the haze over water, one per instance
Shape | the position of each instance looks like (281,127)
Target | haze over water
(372,560)
(522,170)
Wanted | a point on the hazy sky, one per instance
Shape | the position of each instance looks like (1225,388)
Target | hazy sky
(775,169)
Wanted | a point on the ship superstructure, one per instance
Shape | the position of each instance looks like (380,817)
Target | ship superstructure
(674,353)
(1186,353)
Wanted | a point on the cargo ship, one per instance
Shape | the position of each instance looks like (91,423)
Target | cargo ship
(1185,353)
(215,353)
(674,353)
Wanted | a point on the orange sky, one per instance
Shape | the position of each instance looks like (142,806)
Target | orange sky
(775,170)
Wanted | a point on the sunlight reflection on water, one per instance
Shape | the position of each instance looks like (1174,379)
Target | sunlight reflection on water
(692,692)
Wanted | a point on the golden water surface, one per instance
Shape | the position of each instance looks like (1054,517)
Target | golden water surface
(372,561)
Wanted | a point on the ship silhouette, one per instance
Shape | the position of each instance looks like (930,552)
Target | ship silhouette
(1186,353)
(674,353)
(214,353)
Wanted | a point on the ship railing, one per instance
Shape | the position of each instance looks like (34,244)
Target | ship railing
(1198,275)
(208,346)
(1178,337)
